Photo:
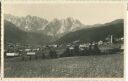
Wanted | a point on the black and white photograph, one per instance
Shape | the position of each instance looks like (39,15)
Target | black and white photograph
(64,40)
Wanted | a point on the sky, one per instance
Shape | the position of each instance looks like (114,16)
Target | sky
(87,13)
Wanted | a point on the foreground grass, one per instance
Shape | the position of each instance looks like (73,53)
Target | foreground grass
(105,66)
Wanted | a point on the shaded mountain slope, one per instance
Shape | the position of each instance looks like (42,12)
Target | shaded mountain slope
(115,28)
(14,35)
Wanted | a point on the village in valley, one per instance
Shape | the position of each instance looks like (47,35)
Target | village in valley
(75,48)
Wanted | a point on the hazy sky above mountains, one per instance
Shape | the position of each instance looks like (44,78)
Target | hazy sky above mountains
(87,13)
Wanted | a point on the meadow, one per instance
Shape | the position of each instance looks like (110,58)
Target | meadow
(93,66)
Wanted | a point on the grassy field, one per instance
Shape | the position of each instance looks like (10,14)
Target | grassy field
(105,66)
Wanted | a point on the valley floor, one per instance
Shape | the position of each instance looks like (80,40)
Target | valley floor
(97,66)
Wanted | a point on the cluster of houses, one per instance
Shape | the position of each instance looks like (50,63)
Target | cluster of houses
(52,50)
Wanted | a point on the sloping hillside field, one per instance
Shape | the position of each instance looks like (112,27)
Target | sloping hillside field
(95,66)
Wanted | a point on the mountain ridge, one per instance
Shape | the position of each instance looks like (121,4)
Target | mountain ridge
(115,28)
(15,35)
(55,27)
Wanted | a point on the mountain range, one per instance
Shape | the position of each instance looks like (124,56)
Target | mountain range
(36,30)
(36,24)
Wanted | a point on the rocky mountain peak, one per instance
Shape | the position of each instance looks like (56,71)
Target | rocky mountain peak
(55,27)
